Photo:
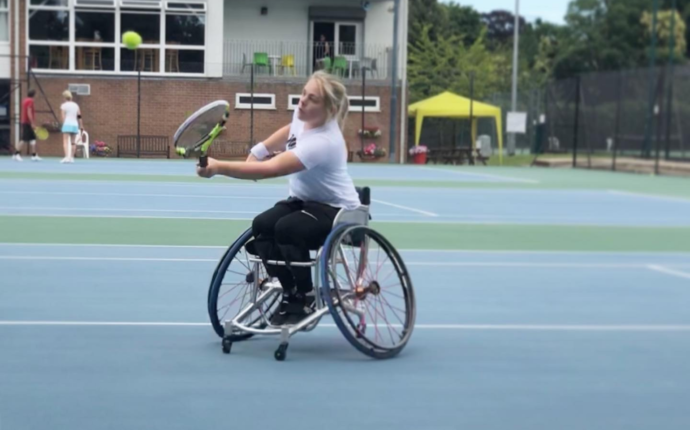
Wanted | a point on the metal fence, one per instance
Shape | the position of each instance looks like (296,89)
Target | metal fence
(603,118)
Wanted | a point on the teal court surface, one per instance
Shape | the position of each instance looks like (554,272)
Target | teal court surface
(546,299)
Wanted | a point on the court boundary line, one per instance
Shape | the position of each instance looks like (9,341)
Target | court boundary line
(668,271)
(488,264)
(484,175)
(407,208)
(466,327)
(186,196)
(412,250)
(649,196)
(388,221)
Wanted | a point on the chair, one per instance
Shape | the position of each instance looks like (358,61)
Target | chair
(261,60)
(346,282)
(288,63)
(340,66)
(82,141)
(327,64)
(172,60)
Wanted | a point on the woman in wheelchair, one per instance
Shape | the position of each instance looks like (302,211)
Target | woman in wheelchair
(313,153)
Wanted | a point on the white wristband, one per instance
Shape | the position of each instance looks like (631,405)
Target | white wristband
(260,151)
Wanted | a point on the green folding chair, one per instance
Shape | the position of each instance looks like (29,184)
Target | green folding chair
(261,60)
(340,66)
(327,64)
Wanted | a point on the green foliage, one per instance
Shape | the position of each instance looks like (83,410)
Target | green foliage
(447,64)
(665,20)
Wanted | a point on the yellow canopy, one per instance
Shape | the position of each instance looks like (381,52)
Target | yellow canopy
(449,105)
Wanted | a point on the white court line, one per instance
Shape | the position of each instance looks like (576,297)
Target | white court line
(484,175)
(667,271)
(186,196)
(407,263)
(439,221)
(649,196)
(407,208)
(435,251)
(125,210)
(482,327)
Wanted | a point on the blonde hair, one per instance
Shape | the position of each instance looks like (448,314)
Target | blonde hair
(334,97)
(67,94)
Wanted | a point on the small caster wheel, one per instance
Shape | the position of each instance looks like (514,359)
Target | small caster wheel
(227,346)
(281,352)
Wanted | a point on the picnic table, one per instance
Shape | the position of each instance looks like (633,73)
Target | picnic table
(454,155)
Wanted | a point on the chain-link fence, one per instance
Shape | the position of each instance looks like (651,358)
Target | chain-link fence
(621,120)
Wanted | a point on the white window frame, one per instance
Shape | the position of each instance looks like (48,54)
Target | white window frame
(239,105)
(290,98)
(6,11)
(375,108)
(202,4)
(155,8)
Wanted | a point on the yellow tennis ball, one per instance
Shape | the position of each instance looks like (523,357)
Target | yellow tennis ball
(131,39)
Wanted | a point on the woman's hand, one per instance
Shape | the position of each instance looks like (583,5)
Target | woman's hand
(210,170)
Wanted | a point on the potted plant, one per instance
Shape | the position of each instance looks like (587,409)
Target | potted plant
(418,153)
(370,132)
(371,152)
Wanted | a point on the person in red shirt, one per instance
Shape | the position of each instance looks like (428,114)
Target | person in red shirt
(28,123)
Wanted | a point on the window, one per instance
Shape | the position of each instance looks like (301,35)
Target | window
(261,101)
(185,38)
(85,35)
(4,21)
(371,104)
(293,101)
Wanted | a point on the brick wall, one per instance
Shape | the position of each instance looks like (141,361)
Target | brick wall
(111,109)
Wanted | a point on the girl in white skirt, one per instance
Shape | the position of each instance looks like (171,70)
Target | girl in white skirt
(71,126)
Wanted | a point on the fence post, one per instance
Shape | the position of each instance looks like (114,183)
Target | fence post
(577,120)
(251,106)
(139,114)
(618,120)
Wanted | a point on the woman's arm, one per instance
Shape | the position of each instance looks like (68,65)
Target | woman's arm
(283,164)
(81,123)
(274,142)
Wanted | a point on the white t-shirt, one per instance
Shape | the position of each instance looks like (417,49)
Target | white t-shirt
(323,153)
(71,110)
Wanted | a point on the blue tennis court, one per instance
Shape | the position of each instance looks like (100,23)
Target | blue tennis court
(103,317)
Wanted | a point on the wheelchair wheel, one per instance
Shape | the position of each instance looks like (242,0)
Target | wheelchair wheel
(233,288)
(368,290)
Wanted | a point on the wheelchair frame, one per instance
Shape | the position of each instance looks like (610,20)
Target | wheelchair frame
(241,326)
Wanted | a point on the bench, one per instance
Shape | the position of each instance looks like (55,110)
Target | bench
(150,146)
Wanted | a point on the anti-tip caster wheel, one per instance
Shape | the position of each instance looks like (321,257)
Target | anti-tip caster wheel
(227,346)
(281,352)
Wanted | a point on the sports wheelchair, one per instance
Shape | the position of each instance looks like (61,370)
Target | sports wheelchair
(359,278)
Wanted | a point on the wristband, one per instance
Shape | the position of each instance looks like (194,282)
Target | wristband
(260,151)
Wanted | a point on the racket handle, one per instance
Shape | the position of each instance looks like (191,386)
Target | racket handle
(203,161)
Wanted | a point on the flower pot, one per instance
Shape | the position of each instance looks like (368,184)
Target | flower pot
(419,158)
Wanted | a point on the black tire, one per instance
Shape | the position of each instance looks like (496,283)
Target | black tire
(352,236)
(224,267)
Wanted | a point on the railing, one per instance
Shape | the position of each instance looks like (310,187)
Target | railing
(284,59)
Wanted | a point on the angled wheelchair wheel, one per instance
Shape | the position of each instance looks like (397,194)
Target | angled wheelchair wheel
(368,290)
(234,286)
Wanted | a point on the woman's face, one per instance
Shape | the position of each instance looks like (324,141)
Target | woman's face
(311,108)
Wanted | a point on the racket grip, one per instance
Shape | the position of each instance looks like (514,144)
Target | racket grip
(203,161)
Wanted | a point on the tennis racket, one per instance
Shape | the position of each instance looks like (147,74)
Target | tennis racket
(197,133)
(41,133)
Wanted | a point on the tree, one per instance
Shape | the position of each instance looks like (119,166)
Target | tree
(501,26)
(663,32)
(446,65)
(463,21)
(427,13)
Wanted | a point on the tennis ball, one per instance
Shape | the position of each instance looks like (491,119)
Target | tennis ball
(131,39)
(181,151)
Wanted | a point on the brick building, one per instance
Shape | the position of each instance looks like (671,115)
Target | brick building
(194,52)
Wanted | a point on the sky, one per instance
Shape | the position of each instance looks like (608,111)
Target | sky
(547,10)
